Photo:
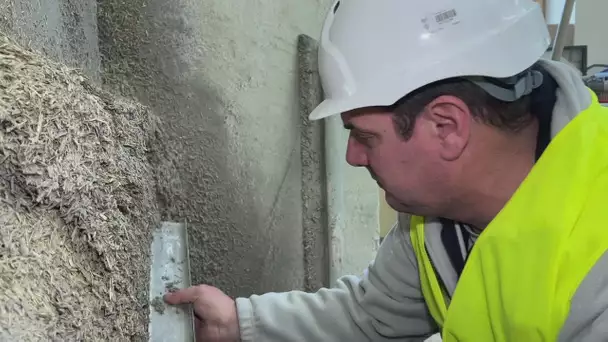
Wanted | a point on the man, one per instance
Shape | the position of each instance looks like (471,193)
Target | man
(499,159)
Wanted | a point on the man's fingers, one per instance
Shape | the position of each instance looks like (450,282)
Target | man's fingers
(185,296)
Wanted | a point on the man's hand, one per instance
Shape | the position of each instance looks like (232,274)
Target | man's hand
(216,315)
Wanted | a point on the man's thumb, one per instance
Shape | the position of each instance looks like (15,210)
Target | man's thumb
(185,296)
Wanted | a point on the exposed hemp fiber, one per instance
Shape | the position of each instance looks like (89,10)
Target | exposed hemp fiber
(78,203)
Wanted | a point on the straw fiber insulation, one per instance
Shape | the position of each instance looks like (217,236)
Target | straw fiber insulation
(78,202)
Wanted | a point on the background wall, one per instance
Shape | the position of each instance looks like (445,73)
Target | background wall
(591,30)
(225,83)
(223,76)
(387,215)
(353,207)
(63,30)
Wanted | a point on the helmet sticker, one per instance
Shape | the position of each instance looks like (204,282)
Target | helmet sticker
(437,21)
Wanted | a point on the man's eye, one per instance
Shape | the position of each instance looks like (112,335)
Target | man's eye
(362,137)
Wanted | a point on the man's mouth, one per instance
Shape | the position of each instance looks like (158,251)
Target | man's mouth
(376,179)
(371,173)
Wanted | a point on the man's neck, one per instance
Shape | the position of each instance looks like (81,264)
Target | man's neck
(494,181)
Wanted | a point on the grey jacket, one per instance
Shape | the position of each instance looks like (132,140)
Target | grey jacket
(386,302)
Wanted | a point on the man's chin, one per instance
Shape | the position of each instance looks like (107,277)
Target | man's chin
(401,207)
(393,202)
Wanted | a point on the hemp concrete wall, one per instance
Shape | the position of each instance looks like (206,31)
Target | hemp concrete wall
(223,77)
(65,30)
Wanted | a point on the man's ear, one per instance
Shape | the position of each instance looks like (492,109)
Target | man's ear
(450,119)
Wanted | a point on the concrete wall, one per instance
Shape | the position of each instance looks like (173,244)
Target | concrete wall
(591,30)
(62,29)
(387,215)
(224,78)
(353,207)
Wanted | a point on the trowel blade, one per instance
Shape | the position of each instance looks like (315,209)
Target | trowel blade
(170,270)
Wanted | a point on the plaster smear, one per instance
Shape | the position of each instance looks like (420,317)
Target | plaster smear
(223,78)
(77,204)
(65,30)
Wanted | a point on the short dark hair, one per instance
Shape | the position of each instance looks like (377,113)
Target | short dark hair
(508,116)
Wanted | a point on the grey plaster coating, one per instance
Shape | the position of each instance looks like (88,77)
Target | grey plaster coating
(65,30)
(239,181)
(225,83)
(314,182)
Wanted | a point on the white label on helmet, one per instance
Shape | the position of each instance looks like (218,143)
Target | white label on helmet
(437,21)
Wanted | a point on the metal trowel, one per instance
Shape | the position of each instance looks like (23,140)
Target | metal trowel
(169,271)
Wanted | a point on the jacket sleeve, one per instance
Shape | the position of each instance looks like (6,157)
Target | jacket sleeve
(385,304)
(588,316)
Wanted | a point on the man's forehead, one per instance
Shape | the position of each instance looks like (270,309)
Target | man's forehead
(365,119)
(349,120)
(365,111)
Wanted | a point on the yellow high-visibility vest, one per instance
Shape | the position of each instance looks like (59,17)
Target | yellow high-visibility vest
(527,264)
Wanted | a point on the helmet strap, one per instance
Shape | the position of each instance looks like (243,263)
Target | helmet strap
(510,89)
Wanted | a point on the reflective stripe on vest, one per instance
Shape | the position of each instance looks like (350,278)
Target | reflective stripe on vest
(529,261)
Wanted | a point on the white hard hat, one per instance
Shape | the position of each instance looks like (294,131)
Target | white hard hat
(374,52)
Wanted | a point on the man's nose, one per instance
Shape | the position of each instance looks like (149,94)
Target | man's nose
(355,154)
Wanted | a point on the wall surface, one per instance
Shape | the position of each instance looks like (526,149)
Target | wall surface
(226,84)
(591,30)
(224,78)
(387,215)
(352,206)
(78,189)
(62,29)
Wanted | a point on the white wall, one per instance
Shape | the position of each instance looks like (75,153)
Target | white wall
(252,63)
(224,78)
(591,29)
(555,8)
(353,208)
